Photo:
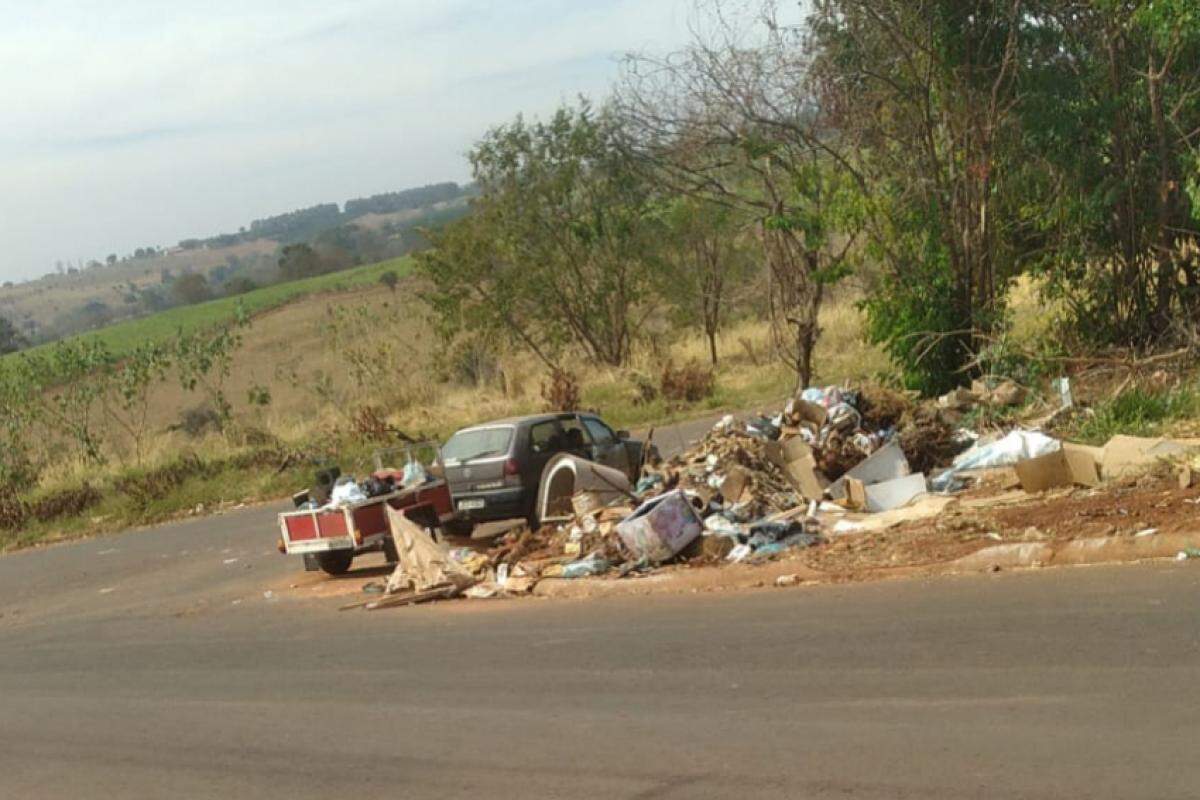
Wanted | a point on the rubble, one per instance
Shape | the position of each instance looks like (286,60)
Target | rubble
(836,466)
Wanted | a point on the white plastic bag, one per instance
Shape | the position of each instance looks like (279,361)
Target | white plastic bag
(346,493)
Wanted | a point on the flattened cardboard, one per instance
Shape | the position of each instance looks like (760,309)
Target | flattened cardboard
(735,484)
(885,464)
(894,493)
(1070,466)
(799,466)
(1127,454)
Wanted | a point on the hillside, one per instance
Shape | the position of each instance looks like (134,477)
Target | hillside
(93,296)
(121,337)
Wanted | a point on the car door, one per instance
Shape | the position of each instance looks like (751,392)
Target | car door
(607,449)
(544,442)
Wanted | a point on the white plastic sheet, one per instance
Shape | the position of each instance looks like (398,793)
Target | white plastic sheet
(1017,446)
(346,493)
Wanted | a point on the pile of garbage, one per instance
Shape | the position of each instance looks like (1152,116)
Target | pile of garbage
(333,490)
(832,462)
(750,490)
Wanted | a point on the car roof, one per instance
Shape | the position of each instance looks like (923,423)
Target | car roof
(528,419)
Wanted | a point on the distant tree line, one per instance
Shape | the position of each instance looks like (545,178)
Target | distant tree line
(406,200)
(306,224)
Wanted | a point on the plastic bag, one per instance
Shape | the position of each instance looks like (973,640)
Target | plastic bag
(1016,446)
(346,492)
(594,564)
(414,474)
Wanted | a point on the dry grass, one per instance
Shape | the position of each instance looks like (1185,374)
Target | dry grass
(1033,317)
(305,353)
(310,356)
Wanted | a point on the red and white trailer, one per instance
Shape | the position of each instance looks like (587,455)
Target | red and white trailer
(330,538)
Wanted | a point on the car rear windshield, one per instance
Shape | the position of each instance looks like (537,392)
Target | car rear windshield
(478,443)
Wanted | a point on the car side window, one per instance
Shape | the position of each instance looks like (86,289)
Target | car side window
(543,437)
(600,432)
(575,437)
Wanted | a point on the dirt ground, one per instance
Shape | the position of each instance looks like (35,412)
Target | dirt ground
(991,514)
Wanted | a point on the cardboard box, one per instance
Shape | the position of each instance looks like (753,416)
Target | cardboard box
(799,466)
(1072,465)
(895,493)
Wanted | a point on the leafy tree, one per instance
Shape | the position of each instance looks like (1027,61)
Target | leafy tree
(126,390)
(298,261)
(239,285)
(922,100)
(1111,119)
(706,262)
(204,359)
(390,279)
(190,289)
(11,339)
(64,380)
(559,248)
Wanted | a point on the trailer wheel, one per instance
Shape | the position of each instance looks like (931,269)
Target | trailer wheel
(336,562)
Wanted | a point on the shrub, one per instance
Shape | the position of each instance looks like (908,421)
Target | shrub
(67,502)
(198,421)
(691,383)
(562,393)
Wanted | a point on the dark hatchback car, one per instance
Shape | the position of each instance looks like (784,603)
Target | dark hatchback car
(494,469)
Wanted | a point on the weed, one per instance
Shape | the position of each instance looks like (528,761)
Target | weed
(1138,411)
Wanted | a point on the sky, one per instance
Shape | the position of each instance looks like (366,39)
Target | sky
(129,123)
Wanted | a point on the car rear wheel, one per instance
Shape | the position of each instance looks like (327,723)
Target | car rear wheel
(336,562)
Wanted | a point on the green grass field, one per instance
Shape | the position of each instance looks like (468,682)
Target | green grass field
(124,336)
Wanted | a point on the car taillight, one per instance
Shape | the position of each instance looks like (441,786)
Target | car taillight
(511,467)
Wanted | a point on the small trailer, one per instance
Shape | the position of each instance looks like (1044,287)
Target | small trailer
(329,538)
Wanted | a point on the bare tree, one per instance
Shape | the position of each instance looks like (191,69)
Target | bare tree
(731,118)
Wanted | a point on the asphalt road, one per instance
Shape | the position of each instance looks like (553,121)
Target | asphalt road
(152,665)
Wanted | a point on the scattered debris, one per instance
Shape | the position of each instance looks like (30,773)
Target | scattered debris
(838,477)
